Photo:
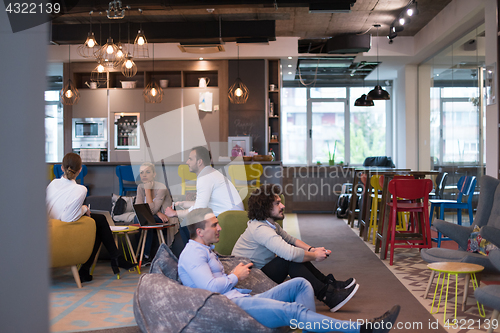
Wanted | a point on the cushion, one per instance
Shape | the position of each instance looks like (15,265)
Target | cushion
(122,209)
(165,262)
(488,296)
(477,244)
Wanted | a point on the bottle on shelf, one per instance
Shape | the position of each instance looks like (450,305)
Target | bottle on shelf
(271,152)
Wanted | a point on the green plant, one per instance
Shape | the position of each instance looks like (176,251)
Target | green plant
(331,157)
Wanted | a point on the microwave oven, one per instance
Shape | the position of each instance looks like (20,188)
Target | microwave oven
(92,129)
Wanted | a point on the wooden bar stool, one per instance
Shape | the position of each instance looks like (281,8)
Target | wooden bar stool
(419,234)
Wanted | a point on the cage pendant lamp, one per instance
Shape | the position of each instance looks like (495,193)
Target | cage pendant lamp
(90,46)
(140,43)
(100,74)
(378,93)
(129,68)
(69,95)
(238,93)
(121,51)
(153,93)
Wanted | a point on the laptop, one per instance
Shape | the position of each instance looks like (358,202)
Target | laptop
(145,216)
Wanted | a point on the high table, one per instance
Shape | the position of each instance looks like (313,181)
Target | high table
(364,209)
(383,227)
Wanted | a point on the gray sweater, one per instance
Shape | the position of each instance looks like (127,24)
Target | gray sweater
(261,243)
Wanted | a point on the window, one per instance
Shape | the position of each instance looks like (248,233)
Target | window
(314,123)
(54,128)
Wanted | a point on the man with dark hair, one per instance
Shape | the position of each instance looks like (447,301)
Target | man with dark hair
(277,254)
(288,304)
(213,190)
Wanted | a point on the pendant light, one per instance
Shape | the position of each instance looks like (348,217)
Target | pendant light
(69,95)
(100,73)
(108,51)
(153,93)
(90,46)
(238,93)
(121,52)
(129,68)
(378,93)
(141,44)
(362,101)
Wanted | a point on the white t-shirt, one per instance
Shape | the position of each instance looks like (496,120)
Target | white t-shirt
(215,191)
(64,200)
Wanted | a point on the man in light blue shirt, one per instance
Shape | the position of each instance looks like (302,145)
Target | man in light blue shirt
(288,304)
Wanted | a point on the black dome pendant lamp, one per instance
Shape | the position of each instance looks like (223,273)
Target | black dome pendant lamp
(378,93)
(362,101)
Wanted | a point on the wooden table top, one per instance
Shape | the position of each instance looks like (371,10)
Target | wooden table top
(455,267)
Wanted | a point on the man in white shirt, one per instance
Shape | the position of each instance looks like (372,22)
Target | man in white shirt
(213,190)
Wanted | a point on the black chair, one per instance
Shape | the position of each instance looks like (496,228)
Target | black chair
(438,191)
(380,161)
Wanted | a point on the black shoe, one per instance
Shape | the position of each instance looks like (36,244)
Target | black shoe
(120,262)
(340,284)
(85,275)
(146,261)
(382,324)
(336,298)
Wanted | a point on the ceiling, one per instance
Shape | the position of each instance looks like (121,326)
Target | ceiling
(246,21)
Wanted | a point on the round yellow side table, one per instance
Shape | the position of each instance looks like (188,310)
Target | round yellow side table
(453,268)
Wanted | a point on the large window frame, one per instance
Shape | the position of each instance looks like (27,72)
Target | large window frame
(309,135)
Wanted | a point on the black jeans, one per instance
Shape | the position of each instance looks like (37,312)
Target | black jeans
(103,235)
(278,269)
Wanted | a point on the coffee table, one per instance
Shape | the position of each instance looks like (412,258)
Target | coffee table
(453,268)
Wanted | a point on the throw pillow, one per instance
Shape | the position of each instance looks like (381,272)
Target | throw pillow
(477,244)
(165,262)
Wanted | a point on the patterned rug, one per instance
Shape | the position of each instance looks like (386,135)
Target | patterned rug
(103,303)
(413,273)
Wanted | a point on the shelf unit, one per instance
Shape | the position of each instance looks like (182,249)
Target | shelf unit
(273,106)
(182,78)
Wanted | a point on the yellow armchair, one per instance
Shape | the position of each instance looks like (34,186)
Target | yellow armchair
(71,243)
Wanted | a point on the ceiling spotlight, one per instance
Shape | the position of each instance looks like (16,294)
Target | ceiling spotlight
(289,65)
(290,73)
(200,58)
(402,20)
(290,58)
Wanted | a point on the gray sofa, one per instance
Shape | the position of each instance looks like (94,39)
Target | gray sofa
(162,304)
(487,216)
(490,295)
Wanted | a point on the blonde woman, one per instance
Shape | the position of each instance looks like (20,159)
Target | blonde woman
(156,195)
(64,198)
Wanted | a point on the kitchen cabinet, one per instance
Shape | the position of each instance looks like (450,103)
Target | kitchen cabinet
(92,104)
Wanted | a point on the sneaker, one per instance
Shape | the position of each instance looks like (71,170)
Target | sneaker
(340,284)
(336,298)
(384,323)
(146,261)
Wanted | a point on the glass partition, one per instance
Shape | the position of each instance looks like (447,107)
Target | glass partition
(457,107)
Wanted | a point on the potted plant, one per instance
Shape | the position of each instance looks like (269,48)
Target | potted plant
(331,157)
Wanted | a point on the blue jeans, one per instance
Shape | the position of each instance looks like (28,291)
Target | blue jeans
(292,304)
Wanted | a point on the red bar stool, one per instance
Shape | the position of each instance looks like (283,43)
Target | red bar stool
(416,194)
